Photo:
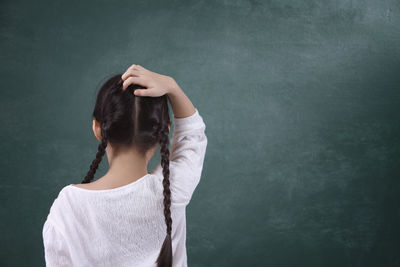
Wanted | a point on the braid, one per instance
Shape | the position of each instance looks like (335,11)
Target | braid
(99,155)
(165,257)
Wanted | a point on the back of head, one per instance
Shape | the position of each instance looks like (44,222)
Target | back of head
(127,119)
(138,122)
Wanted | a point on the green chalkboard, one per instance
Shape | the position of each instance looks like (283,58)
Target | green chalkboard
(301,101)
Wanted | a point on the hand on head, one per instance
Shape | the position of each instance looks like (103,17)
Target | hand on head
(156,84)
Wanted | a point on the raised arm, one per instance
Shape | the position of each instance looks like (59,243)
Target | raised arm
(188,146)
(180,103)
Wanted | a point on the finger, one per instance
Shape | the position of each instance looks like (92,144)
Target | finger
(132,66)
(134,80)
(139,67)
(130,72)
(142,92)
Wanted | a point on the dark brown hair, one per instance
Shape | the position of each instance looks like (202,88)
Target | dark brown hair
(139,121)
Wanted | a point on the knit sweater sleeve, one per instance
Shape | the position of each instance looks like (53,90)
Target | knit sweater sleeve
(55,247)
(187,153)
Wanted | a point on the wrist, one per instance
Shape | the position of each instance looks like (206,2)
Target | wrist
(173,87)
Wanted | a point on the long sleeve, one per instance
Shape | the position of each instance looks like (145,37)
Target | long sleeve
(55,248)
(187,153)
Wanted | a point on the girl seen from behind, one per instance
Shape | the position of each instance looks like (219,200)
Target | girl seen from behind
(129,216)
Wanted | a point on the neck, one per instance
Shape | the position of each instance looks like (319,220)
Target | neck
(125,167)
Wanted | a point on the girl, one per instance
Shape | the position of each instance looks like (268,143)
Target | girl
(130,217)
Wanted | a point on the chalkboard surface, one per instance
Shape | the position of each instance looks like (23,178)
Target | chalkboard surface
(301,102)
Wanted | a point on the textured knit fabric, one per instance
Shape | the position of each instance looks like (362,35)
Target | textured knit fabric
(125,226)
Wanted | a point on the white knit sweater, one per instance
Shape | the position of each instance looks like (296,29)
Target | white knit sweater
(125,226)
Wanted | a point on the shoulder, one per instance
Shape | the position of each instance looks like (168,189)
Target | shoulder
(60,205)
(63,210)
(61,196)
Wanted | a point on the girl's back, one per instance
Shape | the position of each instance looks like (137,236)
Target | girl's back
(125,226)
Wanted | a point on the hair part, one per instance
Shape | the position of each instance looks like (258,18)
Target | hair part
(141,122)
